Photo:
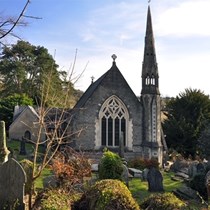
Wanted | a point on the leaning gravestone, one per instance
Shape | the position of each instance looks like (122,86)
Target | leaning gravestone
(12,178)
(155,180)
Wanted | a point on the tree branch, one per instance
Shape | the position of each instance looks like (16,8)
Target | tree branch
(16,22)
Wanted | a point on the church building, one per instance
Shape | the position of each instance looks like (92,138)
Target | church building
(109,110)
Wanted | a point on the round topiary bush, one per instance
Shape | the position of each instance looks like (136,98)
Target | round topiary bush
(110,166)
(52,200)
(107,194)
(162,201)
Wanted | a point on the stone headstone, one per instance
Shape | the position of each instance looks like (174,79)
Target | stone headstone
(50,182)
(121,146)
(94,167)
(179,165)
(200,168)
(192,170)
(4,152)
(187,193)
(144,174)
(12,183)
(125,175)
(155,180)
(23,146)
(135,172)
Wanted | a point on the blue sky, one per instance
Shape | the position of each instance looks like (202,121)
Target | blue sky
(100,28)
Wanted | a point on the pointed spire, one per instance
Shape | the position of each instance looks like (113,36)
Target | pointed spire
(149,69)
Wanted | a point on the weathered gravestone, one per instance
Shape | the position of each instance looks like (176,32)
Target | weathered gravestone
(12,178)
(192,170)
(4,152)
(155,180)
(121,146)
(12,182)
(144,174)
(200,168)
(23,146)
(125,175)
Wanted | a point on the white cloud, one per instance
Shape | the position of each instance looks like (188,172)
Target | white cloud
(185,19)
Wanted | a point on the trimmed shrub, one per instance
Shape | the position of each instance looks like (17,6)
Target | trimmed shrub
(162,201)
(110,166)
(71,168)
(107,194)
(53,200)
(142,163)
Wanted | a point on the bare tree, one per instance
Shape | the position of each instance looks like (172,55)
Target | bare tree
(8,24)
(54,124)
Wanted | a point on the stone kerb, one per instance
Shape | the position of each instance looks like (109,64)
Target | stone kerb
(12,184)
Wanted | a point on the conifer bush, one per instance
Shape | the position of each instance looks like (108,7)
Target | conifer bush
(162,201)
(107,194)
(110,166)
(53,199)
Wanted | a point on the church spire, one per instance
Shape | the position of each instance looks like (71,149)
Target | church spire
(150,69)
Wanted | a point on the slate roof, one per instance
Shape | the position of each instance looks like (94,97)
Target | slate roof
(90,90)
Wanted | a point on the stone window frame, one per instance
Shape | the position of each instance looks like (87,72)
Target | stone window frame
(116,106)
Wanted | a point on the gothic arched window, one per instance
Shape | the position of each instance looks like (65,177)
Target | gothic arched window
(114,118)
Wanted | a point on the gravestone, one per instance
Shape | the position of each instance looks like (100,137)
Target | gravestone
(125,175)
(4,152)
(144,174)
(12,177)
(23,146)
(192,170)
(155,180)
(135,172)
(200,168)
(12,182)
(121,146)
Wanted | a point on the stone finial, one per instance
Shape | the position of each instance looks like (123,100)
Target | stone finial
(114,57)
(92,79)
(4,152)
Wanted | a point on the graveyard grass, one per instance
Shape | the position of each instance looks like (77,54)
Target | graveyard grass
(139,189)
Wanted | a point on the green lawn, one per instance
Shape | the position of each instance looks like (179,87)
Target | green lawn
(14,145)
(139,189)
(39,182)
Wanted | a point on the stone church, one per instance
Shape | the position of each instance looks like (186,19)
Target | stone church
(109,112)
(109,108)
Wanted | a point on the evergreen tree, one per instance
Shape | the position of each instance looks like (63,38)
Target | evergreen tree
(31,70)
(187,115)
